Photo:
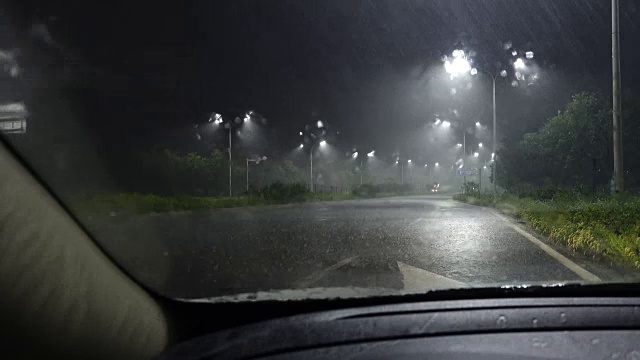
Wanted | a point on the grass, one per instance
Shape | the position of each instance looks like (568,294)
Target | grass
(147,203)
(150,203)
(606,228)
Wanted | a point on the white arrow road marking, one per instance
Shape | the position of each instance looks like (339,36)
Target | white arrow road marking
(416,279)
(317,275)
(584,274)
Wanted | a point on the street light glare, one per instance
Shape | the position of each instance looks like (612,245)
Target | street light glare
(323,143)
(371,153)
(446,124)
(480,145)
(475,154)
(478,124)
(409,161)
(300,133)
(320,124)
(437,164)
(355,155)
(519,64)
(301,145)
(459,145)
(459,65)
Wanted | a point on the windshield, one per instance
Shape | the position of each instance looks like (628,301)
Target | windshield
(274,149)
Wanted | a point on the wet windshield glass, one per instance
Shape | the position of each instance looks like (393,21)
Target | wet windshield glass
(247,149)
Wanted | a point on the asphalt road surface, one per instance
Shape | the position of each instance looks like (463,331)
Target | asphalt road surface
(394,244)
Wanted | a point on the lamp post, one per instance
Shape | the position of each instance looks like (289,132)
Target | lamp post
(495,127)
(257,161)
(229,126)
(355,155)
(460,65)
(447,124)
(313,146)
(369,155)
(618,173)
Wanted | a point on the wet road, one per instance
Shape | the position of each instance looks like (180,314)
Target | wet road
(397,244)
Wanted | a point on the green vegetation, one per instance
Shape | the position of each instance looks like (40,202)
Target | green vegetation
(607,228)
(572,149)
(276,193)
(147,203)
(557,179)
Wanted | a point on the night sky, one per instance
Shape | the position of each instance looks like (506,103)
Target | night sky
(147,71)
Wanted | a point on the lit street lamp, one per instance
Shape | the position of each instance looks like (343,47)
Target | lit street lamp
(229,126)
(460,68)
(315,142)
(369,155)
(257,161)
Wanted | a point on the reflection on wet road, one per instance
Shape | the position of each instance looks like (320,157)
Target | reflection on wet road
(404,243)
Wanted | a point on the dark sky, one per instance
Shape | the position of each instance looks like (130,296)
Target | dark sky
(372,69)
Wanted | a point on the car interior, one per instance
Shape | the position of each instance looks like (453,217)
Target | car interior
(63,296)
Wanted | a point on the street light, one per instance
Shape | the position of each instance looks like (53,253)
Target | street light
(446,124)
(313,135)
(355,156)
(519,64)
(229,126)
(476,154)
(257,161)
(480,145)
(478,124)
(437,164)
(458,64)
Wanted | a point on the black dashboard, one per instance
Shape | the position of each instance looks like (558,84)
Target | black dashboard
(504,328)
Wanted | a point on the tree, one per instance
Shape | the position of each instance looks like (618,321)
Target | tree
(561,152)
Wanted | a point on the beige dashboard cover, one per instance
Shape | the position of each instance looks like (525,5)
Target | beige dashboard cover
(58,288)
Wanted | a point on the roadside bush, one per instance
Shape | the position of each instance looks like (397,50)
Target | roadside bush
(148,203)
(475,199)
(280,192)
(366,190)
(471,187)
(603,228)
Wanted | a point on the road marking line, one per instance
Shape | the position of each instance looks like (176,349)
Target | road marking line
(317,275)
(417,279)
(577,269)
